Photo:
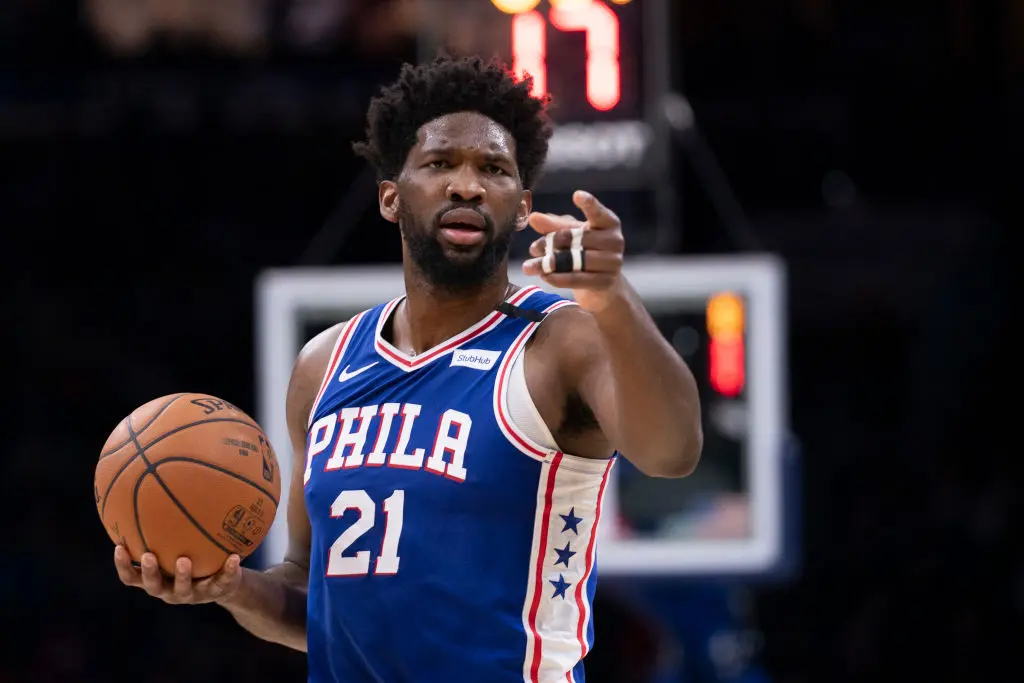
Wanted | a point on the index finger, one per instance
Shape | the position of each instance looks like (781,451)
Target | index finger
(544,223)
(599,216)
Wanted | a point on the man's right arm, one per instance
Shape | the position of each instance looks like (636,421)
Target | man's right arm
(272,604)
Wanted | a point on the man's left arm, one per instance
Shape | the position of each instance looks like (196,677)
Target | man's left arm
(641,391)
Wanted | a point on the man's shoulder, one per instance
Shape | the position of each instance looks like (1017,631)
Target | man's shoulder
(316,353)
(310,367)
(566,333)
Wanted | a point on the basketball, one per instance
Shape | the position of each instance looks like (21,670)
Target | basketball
(187,475)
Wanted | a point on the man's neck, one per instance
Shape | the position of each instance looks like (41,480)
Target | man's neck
(430,315)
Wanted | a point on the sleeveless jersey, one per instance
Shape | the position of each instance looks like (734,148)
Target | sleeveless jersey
(446,544)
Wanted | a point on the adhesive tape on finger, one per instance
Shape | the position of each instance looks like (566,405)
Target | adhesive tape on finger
(548,262)
(577,238)
(576,250)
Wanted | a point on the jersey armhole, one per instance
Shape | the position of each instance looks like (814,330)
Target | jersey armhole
(502,415)
(522,410)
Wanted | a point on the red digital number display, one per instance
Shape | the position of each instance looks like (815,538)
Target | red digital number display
(726,366)
(726,320)
(597,21)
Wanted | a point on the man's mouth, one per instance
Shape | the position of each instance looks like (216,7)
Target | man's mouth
(463,235)
(463,227)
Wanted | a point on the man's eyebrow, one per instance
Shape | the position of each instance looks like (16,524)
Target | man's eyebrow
(498,156)
(491,155)
(440,149)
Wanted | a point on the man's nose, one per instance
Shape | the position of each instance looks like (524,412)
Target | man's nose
(465,186)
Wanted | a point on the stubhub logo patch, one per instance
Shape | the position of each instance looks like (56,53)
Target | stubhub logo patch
(478,359)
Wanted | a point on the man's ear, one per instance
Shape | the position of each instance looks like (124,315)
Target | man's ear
(525,208)
(387,197)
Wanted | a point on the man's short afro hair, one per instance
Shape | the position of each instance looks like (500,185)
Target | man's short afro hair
(452,84)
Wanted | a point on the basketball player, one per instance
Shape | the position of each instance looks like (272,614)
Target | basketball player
(458,440)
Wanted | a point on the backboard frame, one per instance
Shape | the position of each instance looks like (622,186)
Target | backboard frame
(285,298)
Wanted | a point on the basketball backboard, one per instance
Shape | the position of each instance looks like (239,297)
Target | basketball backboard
(724,315)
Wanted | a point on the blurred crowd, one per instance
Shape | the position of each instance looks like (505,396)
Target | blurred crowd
(248,27)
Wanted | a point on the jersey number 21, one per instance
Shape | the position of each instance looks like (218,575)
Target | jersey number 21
(340,564)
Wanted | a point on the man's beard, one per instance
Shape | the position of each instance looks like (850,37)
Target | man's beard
(450,274)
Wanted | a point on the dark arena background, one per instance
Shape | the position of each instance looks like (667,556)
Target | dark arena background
(817,198)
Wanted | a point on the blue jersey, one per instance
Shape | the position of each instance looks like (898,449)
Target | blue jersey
(446,544)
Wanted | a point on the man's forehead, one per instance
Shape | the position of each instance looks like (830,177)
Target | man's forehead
(466,130)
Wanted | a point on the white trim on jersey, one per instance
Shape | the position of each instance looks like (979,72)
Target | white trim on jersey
(409,363)
(501,413)
(557,609)
(340,346)
(520,406)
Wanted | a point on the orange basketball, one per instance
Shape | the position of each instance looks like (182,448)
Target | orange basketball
(188,475)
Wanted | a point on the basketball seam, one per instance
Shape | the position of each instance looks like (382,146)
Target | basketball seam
(124,466)
(218,468)
(114,449)
(135,511)
(151,470)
